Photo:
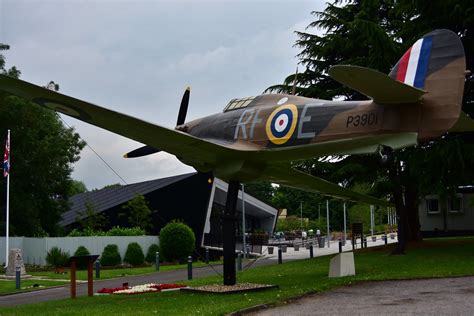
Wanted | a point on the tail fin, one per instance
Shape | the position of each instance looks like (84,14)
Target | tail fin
(435,63)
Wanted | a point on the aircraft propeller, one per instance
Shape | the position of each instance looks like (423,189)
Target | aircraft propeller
(148,150)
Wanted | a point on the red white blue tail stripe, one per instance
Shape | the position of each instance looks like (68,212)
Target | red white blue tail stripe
(6,157)
(413,66)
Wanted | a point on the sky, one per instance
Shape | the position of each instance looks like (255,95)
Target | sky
(137,57)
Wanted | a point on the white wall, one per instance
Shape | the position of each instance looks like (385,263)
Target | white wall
(35,249)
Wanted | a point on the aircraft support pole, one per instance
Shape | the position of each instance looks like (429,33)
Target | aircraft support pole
(228,235)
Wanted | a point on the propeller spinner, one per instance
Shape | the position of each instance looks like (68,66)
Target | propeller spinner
(148,150)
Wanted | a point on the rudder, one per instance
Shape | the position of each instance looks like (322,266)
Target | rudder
(435,63)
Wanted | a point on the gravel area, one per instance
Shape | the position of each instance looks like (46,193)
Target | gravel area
(447,296)
(219,288)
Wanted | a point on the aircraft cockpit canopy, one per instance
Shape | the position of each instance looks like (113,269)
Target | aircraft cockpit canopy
(235,104)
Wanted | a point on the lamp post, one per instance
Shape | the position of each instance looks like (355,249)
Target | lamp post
(327,221)
(372,221)
(319,214)
(301,215)
(345,228)
(243,221)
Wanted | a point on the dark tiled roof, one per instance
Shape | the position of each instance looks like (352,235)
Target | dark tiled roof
(109,197)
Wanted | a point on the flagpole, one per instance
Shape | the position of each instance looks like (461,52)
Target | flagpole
(7,243)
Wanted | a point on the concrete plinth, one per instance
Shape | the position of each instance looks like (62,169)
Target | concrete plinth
(342,265)
(15,259)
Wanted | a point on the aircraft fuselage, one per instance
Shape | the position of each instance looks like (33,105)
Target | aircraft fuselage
(279,121)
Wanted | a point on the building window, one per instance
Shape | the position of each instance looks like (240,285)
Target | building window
(455,204)
(432,206)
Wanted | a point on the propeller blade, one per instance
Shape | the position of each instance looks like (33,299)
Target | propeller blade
(183,108)
(140,152)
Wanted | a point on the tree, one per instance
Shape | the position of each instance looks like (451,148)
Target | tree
(375,34)
(91,219)
(77,187)
(139,214)
(42,154)
(262,190)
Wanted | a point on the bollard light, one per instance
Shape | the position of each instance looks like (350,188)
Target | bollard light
(239,262)
(97,269)
(190,268)
(340,246)
(157,261)
(17,276)
(311,255)
(280,259)
(207,255)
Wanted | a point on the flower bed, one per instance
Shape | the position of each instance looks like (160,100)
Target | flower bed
(137,289)
(111,290)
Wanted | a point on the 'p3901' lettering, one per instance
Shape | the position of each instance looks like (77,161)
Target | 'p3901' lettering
(362,119)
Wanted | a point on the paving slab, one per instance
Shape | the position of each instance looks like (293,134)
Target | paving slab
(443,296)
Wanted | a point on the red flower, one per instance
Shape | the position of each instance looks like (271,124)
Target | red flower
(111,290)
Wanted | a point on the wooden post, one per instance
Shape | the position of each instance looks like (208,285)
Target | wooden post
(73,278)
(90,286)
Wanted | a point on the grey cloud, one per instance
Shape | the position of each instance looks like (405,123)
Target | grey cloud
(137,58)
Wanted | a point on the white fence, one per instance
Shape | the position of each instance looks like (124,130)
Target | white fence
(35,249)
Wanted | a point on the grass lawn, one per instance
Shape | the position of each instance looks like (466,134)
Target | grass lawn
(117,273)
(9,286)
(433,258)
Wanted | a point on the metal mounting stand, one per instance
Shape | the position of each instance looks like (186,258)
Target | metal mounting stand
(228,227)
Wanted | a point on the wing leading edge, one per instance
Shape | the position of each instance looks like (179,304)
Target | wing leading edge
(169,140)
(285,175)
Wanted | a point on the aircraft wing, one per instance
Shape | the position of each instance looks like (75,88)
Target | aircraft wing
(285,175)
(169,140)
(189,148)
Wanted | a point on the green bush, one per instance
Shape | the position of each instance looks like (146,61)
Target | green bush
(125,231)
(177,241)
(134,254)
(81,251)
(151,253)
(110,256)
(56,257)
(114,231)
(86,232)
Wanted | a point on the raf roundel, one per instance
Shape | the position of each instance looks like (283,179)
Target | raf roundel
(282,123)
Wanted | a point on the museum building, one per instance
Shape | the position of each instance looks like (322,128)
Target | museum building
(197,199)
(453,216)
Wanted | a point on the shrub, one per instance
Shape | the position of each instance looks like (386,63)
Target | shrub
(134,254)
(56,257)
(82,251)
(177,241)
(86,232)
(151,253)
(125,231)
(110,256)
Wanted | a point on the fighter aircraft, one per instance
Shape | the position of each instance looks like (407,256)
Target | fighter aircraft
(258,137)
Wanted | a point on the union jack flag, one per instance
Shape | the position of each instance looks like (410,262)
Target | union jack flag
(6,157)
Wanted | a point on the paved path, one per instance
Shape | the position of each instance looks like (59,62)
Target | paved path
(303,253)
(159,277)
(450,296)
(165,277)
